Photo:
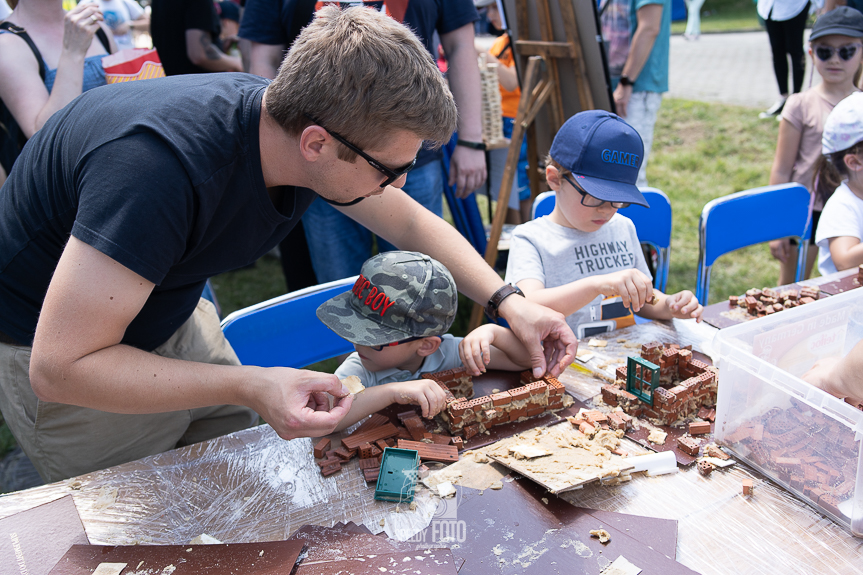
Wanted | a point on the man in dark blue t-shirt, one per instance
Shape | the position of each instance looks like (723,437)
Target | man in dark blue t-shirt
(338,245)
(122,205)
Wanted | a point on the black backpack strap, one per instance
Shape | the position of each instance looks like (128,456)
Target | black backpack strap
(22,33)
(103,38)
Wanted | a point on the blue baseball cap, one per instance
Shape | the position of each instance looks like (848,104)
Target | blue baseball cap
(604,154)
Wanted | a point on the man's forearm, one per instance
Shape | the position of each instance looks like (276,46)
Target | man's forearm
(464,81)
(649,23)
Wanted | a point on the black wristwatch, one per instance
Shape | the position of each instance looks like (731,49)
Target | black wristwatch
(471,145)
(491,309)
(625,81)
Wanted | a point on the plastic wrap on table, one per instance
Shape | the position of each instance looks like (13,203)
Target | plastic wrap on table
(720,531)
(248,486)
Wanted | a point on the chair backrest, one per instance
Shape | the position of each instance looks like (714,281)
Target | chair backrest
(285,331)
(652,225)
(751,217)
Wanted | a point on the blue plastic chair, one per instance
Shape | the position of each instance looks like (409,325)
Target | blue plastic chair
(652,225)
(285,331)
(748,218)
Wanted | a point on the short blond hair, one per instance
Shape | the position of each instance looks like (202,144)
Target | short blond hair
(363,75)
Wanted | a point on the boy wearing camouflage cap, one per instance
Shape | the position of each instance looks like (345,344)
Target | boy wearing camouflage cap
(397,316)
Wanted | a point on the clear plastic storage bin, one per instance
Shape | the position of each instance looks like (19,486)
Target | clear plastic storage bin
(803,438)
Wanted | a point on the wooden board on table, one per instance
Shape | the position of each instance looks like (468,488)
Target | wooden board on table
(841,285)
(555,441)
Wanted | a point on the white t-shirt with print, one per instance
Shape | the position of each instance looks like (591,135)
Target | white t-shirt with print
(842,216)
(557,255)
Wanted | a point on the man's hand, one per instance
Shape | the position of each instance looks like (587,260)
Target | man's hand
(684,305)
(467,170)
(296,403)
(544,332)
(622,94)
(633,287)
(781,249)
(423,392)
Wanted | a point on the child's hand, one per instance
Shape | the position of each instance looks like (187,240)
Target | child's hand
(684,305)
(781,249)
(634,288)
(475,349)
(423,392)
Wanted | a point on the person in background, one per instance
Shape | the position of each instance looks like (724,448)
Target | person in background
(229,18)
(834,47)
(839,236)
(71,60)
(186,35)
(785,21)
(122,17)
(693,19)
(338,245)
(644,77)
(510,94)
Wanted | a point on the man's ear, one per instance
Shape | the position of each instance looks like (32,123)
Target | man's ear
(313,141)
(429,345)
(552,177)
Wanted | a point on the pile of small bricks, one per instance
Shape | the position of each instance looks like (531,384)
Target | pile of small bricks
(762,302)
(376,434)
(686,385)
(807,450)
(469,417)
(589,422)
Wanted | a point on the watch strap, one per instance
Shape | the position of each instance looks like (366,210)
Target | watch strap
(503,292)
(471,145)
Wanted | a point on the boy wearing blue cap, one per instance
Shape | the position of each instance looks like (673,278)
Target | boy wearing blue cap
(584,259)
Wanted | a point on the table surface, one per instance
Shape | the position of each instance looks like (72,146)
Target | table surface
(254,486)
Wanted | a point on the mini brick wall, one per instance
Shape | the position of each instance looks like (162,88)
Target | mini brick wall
(686,385)
(467,415)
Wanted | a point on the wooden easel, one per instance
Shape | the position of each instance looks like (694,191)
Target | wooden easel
(540,86)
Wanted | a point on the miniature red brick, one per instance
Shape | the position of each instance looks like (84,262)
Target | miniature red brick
(586,428)
(321,447)
(714,451)
(615,421)
(403,433)
(620,373)
(688,445)
(514,414)
(805,300)
(331,454)
(382,444)
(371,475)
(699,427)
(343,453)
(535,411)
(711,415)
(748,487)
(366,451)
(769,310)
(519,393)
(609,395)
(330,469)
(458,442)
(501,399)
(595,417)
(329,461)
(732,300)
(423,471)
(372,463)
(705,467)
(526,377)
(470,431)
(554,386)
(753,292)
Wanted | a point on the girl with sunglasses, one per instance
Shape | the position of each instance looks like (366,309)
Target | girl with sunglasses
(836,48)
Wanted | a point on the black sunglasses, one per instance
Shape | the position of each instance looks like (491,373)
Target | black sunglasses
(824,53)
(395,343)
(591,202)
(391,174)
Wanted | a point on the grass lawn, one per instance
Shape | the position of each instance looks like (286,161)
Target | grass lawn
(724,16)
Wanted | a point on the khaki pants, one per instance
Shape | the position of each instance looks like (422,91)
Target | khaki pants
(65,440)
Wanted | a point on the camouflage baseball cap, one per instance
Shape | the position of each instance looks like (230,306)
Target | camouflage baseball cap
(398,295)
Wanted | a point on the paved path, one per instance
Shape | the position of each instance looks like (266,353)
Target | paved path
(734,68)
